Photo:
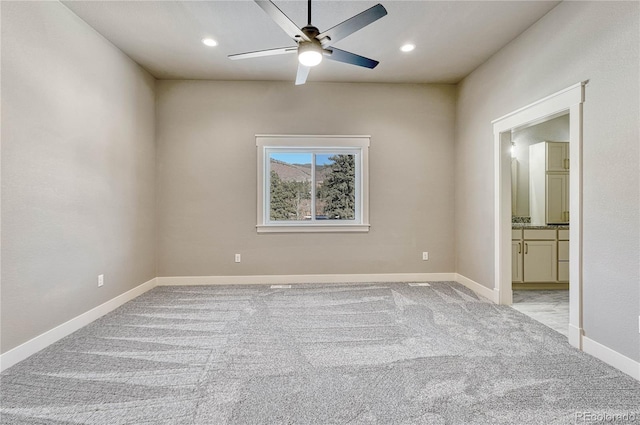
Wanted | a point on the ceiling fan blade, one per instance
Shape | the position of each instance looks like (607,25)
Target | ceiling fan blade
(282,20)
(303,73)
(351,25)
(261,53)
(348,57)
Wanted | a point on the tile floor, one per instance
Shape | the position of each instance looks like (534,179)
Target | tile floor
(550,308)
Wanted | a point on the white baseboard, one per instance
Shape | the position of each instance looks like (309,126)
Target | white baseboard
(303,278)
(611,357)
(42,341)
(488,293)
(575,336)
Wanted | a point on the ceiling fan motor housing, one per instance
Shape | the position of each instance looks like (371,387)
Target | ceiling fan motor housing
(310,31)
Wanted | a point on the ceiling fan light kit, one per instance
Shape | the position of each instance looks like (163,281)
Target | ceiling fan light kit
(309,54)
(312,45)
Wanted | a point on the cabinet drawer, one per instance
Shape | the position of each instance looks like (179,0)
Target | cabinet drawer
(563,234)
(540,234)
(563,250)
(563,271)
(516,234)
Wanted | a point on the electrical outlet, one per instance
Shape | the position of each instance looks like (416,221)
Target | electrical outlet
(238,258)
(100,279)
(425,256)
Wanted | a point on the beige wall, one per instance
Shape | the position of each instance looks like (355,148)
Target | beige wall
(576,41)
(207,176)
(78,161)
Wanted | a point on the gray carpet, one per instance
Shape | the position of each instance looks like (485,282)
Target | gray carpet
(313,354)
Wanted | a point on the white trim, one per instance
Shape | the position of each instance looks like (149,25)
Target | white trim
(304,278)
(42,341)
(611,357)
(503,213)
(575,226)
(359,144)
(575,336)
(488,293)
(313,228)
(532,112)
(569,99)
(293,141)
(319,136)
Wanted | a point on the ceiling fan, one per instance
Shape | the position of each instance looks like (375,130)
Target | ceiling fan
(312,45)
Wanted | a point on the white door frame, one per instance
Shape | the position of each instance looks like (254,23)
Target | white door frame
(571,100)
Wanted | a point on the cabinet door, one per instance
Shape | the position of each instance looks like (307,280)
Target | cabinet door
(516,261)
(557,208)
(540,261)
(557,156)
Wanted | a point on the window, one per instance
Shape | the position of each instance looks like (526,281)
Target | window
(313,183)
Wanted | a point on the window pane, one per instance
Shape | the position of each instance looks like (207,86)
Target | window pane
(290,191)
(335,187)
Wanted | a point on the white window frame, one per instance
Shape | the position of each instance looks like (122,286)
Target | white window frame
(354,145)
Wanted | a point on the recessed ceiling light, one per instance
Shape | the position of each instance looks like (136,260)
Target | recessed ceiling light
(209,42)
(408,47)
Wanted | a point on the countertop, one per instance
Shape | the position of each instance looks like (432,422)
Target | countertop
(516,226)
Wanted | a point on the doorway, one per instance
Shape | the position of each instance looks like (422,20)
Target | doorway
(569,101)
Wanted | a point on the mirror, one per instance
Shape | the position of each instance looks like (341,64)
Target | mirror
(554,129)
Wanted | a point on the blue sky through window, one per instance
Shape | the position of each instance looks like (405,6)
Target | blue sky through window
(301,158)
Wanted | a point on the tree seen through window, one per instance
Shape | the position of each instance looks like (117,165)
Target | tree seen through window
(292,179)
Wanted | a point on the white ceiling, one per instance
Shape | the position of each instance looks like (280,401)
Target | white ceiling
(452,38)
